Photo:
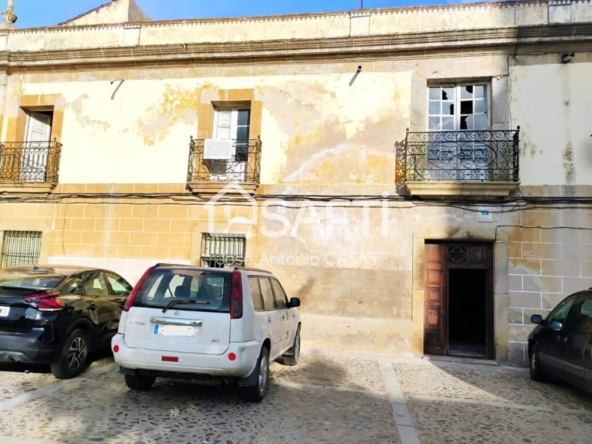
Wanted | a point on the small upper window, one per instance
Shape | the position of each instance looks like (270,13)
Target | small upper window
(232,125)
(458,107)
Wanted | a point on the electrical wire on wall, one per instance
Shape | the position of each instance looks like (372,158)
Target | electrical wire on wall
(511,205)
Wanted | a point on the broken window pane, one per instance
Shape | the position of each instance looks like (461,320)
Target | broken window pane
(448,123)
(434,107)
(466,107)
(447,93)
(466,92)
(481,122)
(434,123)
(480,106)
(448,108)
(435,93)
(463,122)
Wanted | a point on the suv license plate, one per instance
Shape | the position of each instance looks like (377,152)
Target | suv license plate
(4,311)
(175,330)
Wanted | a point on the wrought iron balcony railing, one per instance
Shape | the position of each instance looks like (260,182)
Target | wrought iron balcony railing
(243,164)
(463,156)
(30,162)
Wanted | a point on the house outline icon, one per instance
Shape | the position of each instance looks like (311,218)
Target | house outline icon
(233,189)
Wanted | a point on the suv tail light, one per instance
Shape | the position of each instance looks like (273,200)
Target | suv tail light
(132,297)
(236,296)
(47,302)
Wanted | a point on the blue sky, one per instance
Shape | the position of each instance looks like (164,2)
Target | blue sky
(34,13)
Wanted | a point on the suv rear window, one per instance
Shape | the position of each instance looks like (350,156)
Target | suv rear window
(208,290)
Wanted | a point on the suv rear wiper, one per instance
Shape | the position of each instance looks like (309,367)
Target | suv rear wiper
(183,301)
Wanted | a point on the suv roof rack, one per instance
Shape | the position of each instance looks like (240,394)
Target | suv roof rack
(258,270)
(173,265)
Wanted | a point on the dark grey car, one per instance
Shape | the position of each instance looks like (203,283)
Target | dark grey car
(561,345)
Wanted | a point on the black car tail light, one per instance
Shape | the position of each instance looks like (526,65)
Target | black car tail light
(47,302)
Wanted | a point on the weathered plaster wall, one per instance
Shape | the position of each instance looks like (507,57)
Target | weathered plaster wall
(320,123)
(310,26)
(552,102)
(316,128)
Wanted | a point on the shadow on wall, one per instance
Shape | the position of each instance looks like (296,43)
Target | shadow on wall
(304,293)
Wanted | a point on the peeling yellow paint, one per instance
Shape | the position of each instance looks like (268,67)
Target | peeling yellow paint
(177,105)
(79,112)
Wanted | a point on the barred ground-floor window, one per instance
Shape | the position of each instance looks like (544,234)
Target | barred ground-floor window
(223,250)
(20,248)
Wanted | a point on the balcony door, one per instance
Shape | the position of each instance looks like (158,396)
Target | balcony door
(232,124)
(36,149)
(460,147)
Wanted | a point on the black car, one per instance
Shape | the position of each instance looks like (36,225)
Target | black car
(561,345)
(56,315)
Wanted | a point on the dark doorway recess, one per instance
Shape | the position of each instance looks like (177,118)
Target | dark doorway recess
(458,318)
(467,302)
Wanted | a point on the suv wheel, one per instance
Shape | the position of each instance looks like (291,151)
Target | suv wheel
(137,382)
(256,393)
(293,355)
(73,356)
(534,364)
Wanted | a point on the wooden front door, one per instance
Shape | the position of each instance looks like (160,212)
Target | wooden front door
(440,258)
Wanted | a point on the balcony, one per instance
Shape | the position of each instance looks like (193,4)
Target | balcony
(212,169)
(471,164)
(29,166)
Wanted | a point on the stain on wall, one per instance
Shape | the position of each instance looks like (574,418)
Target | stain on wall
(79,107)
(334,132)
(568,165)
(176,105)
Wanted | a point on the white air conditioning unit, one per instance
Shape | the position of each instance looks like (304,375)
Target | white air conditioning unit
(217,149)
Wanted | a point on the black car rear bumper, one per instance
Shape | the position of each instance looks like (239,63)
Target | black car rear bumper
(26,348)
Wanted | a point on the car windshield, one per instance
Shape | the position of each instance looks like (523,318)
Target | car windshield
(29,280)
(204,290)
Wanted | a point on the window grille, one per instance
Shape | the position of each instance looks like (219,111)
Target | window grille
(21,248)
(222,250)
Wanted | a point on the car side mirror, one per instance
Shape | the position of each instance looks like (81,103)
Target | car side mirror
(294,303)
(556,325)
(536,319)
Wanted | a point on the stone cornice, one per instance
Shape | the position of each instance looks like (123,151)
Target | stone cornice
(408,11)
(514,40)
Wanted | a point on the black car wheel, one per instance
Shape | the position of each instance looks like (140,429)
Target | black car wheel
(534,363)
(73,356)
(291,359)
(256,393)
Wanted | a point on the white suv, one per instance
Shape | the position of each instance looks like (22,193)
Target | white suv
(200,323)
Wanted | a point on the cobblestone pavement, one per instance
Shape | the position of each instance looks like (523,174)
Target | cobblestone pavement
(327,398)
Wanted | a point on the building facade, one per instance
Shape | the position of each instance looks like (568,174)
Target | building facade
(420,177)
